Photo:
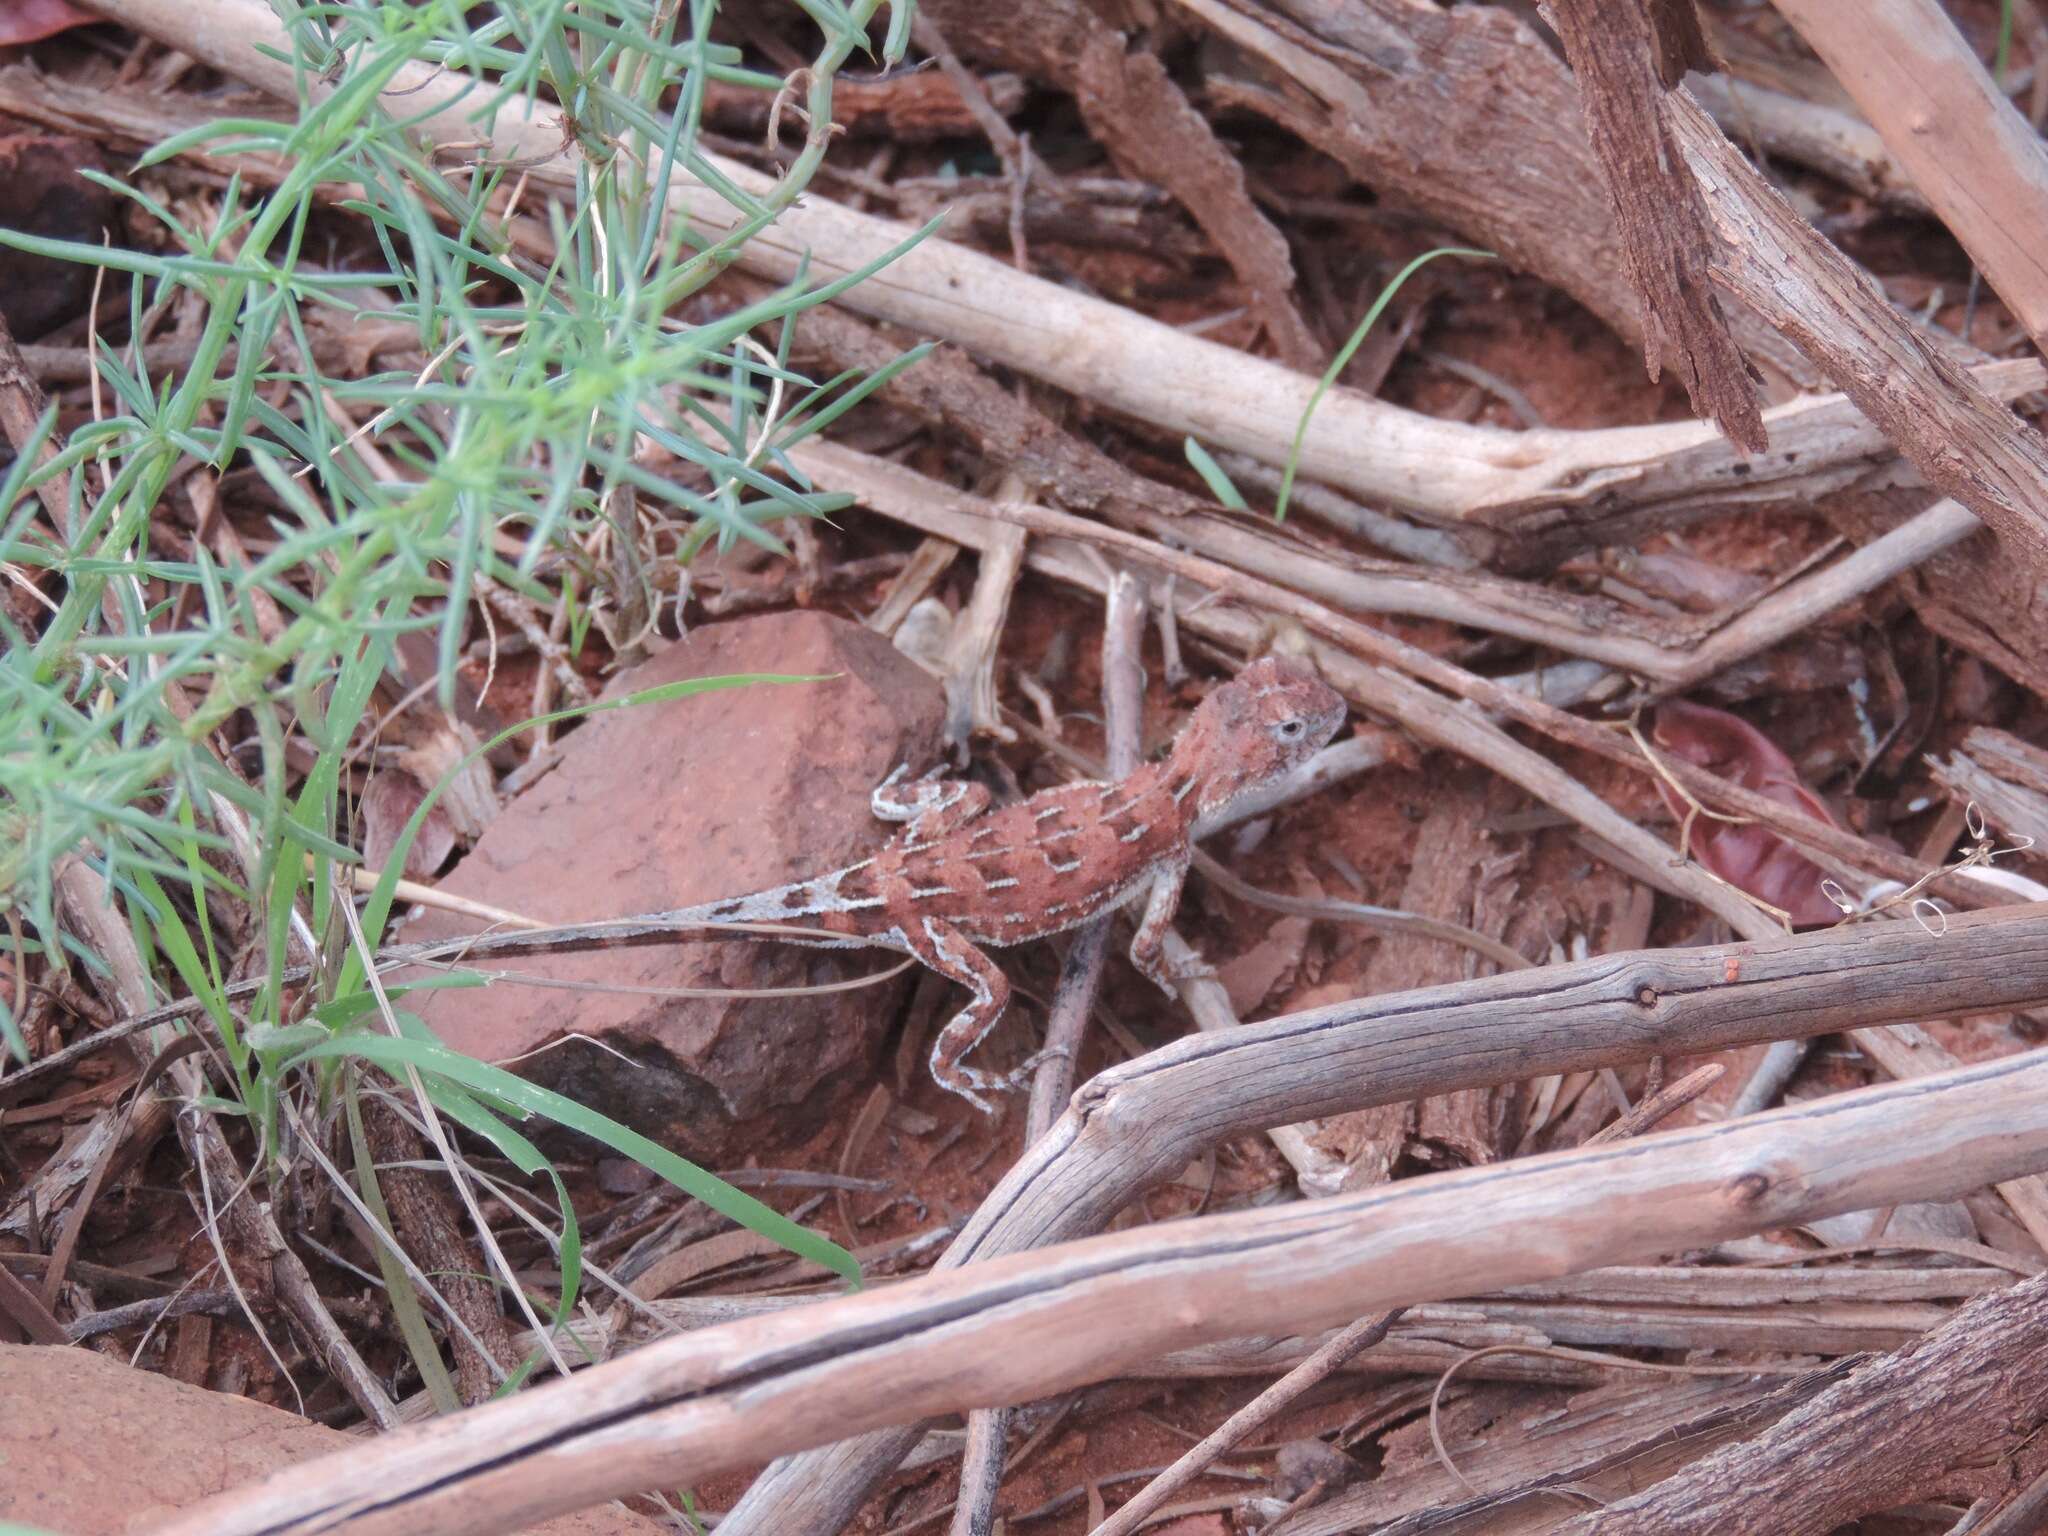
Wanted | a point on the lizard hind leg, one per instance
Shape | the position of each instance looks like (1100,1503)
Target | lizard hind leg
(953,955)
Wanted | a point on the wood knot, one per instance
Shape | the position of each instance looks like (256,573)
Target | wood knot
(1646,996)
(1749,1190)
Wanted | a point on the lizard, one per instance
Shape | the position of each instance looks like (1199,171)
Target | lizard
(961,876)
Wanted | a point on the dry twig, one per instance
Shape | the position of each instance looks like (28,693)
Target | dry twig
(684,1409)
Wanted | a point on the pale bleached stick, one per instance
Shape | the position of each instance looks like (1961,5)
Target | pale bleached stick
(1123,696)
(909,497)
(1345,1344)
(1363,663)
(1138,1130)
(1445,471)
(1791,609)
(1980,165)
(686,1409)
(1123,693)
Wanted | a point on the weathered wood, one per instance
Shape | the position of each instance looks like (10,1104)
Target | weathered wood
(1625,58)
(1968,445)
(1030,1324)
(1130,1129)
(1446,471)
(1606,1443)
(1980,164)
(1893,1432)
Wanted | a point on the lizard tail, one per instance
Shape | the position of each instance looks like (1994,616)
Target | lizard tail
(818,897)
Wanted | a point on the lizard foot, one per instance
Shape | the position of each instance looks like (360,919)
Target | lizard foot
(1020,1080)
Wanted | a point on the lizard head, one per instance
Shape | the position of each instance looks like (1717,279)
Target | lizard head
(1260,726)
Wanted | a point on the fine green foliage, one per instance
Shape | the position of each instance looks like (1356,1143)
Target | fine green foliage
(1343,360)
(1222,487)
(187,723)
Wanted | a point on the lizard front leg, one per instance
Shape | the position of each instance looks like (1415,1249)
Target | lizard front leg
(932,805)
(1147,948)
(952,954)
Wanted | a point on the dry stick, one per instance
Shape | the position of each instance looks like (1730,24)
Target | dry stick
(1666,244)
(1822,138)
(246,1220)
(1965,443)
(955,396)
(1194,1461)
(1666,1101)
(1123,695)
(1908,1051)
(1791,609)
(1426,713)
(934,508)
(1144,1121)
(1380,919)
(1894,1430)
(1349,1341)
(1123,691)
(1981,166)
(2025,1515)
(1100,351)
(1031,1324)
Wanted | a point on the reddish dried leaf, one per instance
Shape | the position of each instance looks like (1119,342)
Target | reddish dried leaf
(30,21)
(388,803)
(1751,858)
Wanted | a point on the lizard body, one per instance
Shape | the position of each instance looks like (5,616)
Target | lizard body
(960,876)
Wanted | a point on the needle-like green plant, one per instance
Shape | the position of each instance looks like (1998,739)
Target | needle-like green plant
(185,723)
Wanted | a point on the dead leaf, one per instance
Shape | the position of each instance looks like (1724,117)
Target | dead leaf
(388,803)
(1751,858)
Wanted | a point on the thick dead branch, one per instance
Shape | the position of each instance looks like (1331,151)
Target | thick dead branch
(1922,1422)
(1618,58)
(1381,73)
(1330,1356)
(1980,164)
(2006,777)
(1133,1127)
(1133,108)
(429,1224)
(1368,82)
(1967,444)
(961,400)
(1024,1326)
(1445,471)
(1540,1463)
(1360,662)
(1814,134)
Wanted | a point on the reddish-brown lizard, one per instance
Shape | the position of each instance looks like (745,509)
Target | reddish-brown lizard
(960,876)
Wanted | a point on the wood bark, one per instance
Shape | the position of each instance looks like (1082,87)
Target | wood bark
(1981,165)
(1897,1431)
(1030,1324)
(1967,445)
(1130,1128)
(1625,58)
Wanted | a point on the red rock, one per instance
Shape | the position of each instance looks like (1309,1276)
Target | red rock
(91,1447)
(682,802)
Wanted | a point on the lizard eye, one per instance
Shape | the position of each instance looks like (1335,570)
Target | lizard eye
(1290,730)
